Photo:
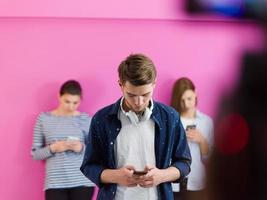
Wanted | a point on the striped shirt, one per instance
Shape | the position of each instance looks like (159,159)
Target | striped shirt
(62,169)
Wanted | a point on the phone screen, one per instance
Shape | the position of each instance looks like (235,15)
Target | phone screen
(139,173)
(192,126)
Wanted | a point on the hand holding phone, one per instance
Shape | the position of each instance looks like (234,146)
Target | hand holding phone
(74,144)
(190,127)
(139,173)
(73,138)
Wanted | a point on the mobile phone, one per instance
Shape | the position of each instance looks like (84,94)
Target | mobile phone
(140,173)
(192,126)
(72,138)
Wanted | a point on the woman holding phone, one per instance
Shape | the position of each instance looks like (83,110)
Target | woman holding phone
(59,139)
(199,132)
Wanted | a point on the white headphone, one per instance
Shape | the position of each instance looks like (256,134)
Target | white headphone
(132,116)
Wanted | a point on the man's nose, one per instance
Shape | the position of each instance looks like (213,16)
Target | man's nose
(139,100)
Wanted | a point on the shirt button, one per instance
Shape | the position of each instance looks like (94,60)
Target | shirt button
(118,129)
(111,143)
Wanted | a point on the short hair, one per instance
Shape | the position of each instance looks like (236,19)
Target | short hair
(72,87)
(179,87)
(138,69)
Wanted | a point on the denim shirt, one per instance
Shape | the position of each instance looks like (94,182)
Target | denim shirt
(171,148)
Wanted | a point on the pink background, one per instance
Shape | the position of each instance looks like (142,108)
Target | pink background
(37,54)
(151,9)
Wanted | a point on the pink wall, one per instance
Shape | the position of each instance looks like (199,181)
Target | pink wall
(38,54)
(149,9)
(112,9)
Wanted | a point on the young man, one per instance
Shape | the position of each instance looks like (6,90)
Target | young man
(137,146)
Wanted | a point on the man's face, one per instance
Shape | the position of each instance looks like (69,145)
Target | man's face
(136,98)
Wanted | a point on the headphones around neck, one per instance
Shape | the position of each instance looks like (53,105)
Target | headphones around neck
(132,116)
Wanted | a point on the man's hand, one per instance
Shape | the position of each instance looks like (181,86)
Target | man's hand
(122,176)
(125,177)
(157,176)
(153,177)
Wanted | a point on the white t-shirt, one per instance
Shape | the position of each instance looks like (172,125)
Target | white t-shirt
(196,178)
(135,146)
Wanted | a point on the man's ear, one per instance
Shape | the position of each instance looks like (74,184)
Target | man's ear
(154,84)
(120,84)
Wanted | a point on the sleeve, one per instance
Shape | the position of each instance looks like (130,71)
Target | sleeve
(181,158)
(92,166)
(86,129)
(39,150)
(209,137)
(83,123)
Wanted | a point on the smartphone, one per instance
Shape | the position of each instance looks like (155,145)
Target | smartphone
(192,126)
(140,173)
(73,138)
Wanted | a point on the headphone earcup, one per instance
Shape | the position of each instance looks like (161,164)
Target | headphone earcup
(132,117)
(146,115)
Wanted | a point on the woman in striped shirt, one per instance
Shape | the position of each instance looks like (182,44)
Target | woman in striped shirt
(59,139)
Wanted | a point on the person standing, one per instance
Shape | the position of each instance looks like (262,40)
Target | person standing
(59,139)
(137,146)
(199,133)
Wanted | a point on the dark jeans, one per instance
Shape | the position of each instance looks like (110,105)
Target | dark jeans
(76,193)
(189,195)
(185,194)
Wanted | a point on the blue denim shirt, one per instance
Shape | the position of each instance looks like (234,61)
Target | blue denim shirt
(171,148)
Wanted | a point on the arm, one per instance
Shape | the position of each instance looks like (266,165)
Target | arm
(181,158)
(209,138)
(157,176)
(204,146)
(92,165)
(194,135)
(180,165)
(77,145)
(123,176)
(39,150)
(170,174)
(203,136)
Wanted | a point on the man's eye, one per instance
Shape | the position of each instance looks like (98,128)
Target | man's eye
(146,95)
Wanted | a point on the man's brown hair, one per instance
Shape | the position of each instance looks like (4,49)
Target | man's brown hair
(138,69)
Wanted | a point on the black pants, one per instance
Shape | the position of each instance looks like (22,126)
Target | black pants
(185,194)
(76,193)
(189,195)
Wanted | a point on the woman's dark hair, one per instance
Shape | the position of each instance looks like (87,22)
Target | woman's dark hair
(71,87)
(179,87)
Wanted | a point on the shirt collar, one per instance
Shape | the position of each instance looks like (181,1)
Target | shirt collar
(150,106)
